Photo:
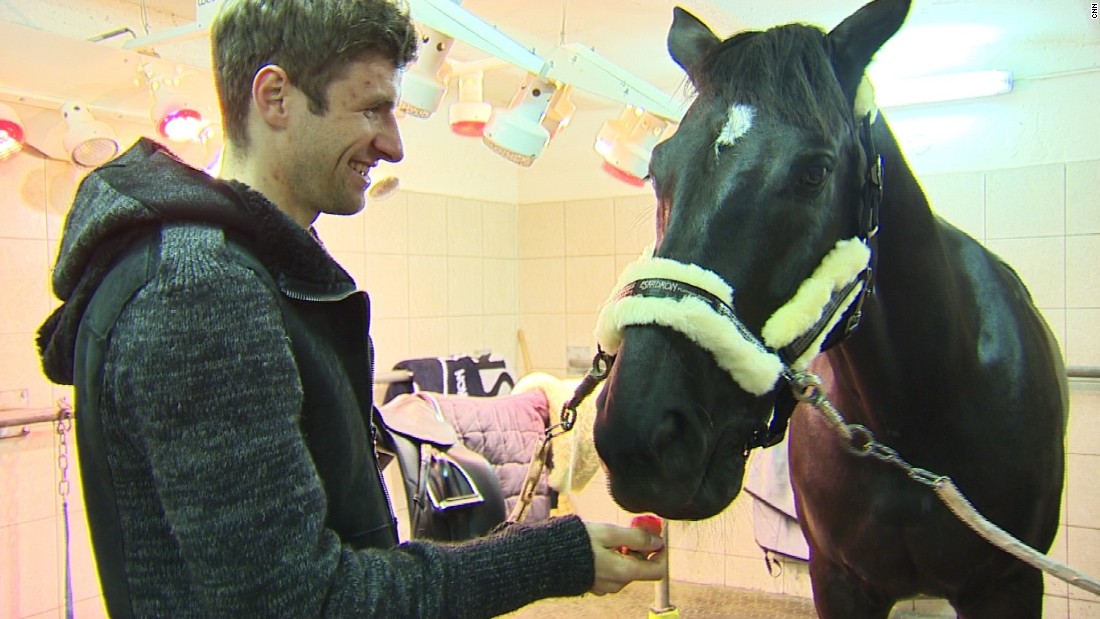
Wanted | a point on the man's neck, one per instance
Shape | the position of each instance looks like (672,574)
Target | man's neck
(238,166)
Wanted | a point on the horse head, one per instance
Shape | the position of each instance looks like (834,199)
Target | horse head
(763,249)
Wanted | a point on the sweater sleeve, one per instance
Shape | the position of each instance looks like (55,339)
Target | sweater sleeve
(229,505)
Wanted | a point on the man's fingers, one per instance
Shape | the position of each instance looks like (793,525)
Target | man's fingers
(611,536)
(615,570)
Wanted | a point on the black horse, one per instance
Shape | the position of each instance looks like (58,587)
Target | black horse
(778,231)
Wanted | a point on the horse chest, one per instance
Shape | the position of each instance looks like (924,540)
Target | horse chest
(867,514)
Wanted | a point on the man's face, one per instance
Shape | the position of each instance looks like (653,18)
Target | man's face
(326,168)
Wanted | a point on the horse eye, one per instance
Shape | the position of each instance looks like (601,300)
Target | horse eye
(814,175)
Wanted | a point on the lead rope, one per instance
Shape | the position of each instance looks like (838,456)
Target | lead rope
(601,365)
(860,441)
(64,425)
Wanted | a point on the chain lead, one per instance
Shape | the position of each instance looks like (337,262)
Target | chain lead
(601,366)
(64,424)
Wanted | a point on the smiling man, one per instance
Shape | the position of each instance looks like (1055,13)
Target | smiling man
(222,360)
(310,163)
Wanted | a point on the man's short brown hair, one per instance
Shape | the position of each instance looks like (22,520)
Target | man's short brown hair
(312,40)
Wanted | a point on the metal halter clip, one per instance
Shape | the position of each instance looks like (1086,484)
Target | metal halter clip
(601,367)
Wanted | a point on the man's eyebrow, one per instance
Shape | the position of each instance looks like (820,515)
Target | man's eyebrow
(374,96)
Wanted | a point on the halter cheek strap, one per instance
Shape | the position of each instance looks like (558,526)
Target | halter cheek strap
(798,329)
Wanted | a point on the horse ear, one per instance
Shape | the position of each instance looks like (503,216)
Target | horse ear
(689,39)
(855,41)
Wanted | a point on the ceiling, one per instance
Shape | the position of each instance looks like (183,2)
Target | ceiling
(1032,38)
(1035,39)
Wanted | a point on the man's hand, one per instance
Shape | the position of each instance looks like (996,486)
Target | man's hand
(615,570)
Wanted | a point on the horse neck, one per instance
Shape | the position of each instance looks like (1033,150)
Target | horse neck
(906,217)
(912,324)
(914,267)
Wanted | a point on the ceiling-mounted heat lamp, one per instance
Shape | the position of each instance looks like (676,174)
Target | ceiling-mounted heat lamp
(88,142)
(424,85)
(559,111)
(470,113)
(517,133)
(12,135)
(177,120)
(626,144)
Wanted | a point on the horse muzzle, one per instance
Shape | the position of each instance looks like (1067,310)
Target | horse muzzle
(667,445)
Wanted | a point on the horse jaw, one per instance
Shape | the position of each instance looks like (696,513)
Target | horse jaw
(671,442)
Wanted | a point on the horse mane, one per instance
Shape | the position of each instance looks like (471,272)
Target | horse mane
(786,70)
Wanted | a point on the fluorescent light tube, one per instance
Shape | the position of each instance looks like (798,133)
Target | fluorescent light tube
(934,88)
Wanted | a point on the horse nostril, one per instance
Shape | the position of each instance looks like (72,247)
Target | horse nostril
(668,431)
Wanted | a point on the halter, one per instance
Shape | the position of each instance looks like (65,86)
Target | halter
(699,304)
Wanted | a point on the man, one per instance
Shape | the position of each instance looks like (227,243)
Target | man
(222,362)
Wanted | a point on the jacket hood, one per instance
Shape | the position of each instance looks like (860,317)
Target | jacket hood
(136,193)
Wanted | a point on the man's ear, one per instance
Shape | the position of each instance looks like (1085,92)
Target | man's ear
(270,88)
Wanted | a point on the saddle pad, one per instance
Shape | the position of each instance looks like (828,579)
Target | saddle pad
(505,430)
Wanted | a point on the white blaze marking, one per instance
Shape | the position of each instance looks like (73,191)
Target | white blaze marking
(737,125)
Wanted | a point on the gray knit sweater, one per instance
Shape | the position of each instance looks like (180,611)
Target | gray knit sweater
(222,509)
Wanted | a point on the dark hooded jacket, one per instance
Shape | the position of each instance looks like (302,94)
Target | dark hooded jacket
(223,377)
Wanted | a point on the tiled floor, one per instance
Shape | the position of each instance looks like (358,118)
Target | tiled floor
(691,600)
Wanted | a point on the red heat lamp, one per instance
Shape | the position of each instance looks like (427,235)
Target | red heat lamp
(469,115)
(12,136)
(181,125)
(469,128)
(623,175)
(626,144)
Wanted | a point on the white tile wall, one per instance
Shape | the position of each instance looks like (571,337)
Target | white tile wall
(387,225)
(1040,262)
(427,225)
(588,281)
(1082,280)
(542,285)
(542,230)
(1082,198)
(386,278)
(1025,202)
(588,227)
(464,227)
(960,199)
(465,286)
